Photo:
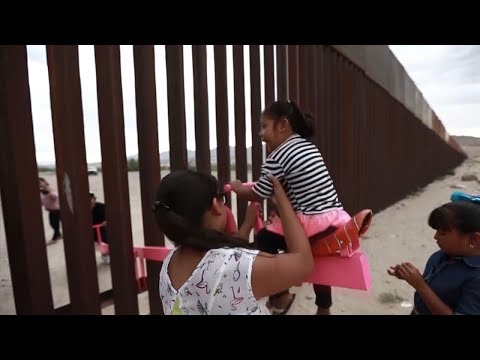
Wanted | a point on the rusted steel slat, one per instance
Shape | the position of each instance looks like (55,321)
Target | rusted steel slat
(282,86)
(115,177)
(312,75)
(200,94)
(327,111)
(303,78)
(239,109)
(269,80)
(72,178)
(319,99)
(176,107)
(335,129)
(312,88)
(221,103)
(292,59)
(149,159)
(19,188)
(269,76)
(256,108)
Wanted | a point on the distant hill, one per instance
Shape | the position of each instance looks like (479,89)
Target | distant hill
(467,140)
(165,156)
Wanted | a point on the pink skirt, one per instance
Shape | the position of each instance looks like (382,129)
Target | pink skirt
(313,224)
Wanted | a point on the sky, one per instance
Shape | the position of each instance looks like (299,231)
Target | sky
(447,75)
(42,118)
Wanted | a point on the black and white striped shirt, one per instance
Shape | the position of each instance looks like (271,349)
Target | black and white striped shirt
(299,166)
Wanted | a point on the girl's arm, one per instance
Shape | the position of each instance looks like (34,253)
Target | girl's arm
(244,192)
(274,273)
(410,274)
(249,222)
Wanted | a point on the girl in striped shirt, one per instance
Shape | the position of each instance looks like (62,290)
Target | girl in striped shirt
(299,166)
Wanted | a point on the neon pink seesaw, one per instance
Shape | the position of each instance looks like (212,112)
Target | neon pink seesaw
(338,259)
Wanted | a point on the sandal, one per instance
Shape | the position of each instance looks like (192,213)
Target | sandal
(277,311)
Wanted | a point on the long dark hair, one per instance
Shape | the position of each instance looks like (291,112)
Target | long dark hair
(301,123)
(460,215)
(183,197)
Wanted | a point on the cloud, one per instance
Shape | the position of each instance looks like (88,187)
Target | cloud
(449,78)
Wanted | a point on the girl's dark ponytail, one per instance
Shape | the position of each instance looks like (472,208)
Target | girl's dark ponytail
(180,205)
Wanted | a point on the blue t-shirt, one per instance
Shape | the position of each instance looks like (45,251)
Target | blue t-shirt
(455,280)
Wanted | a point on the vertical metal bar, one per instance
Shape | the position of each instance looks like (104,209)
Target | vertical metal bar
(115,177)
(346,135)
(269,79)
(269,76)
(282,86)
(320,123)
(369,141)
(353,138)
(255,102)
(176,107)
(303,96)
(293,72)
(373,141)
(312,89)
(221,97)
(200,94)
(340,166)
(67,116)
(327,111)
(149,159)
(335,154)
(361,157)
(240,142)
(19,188)
(312,75)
